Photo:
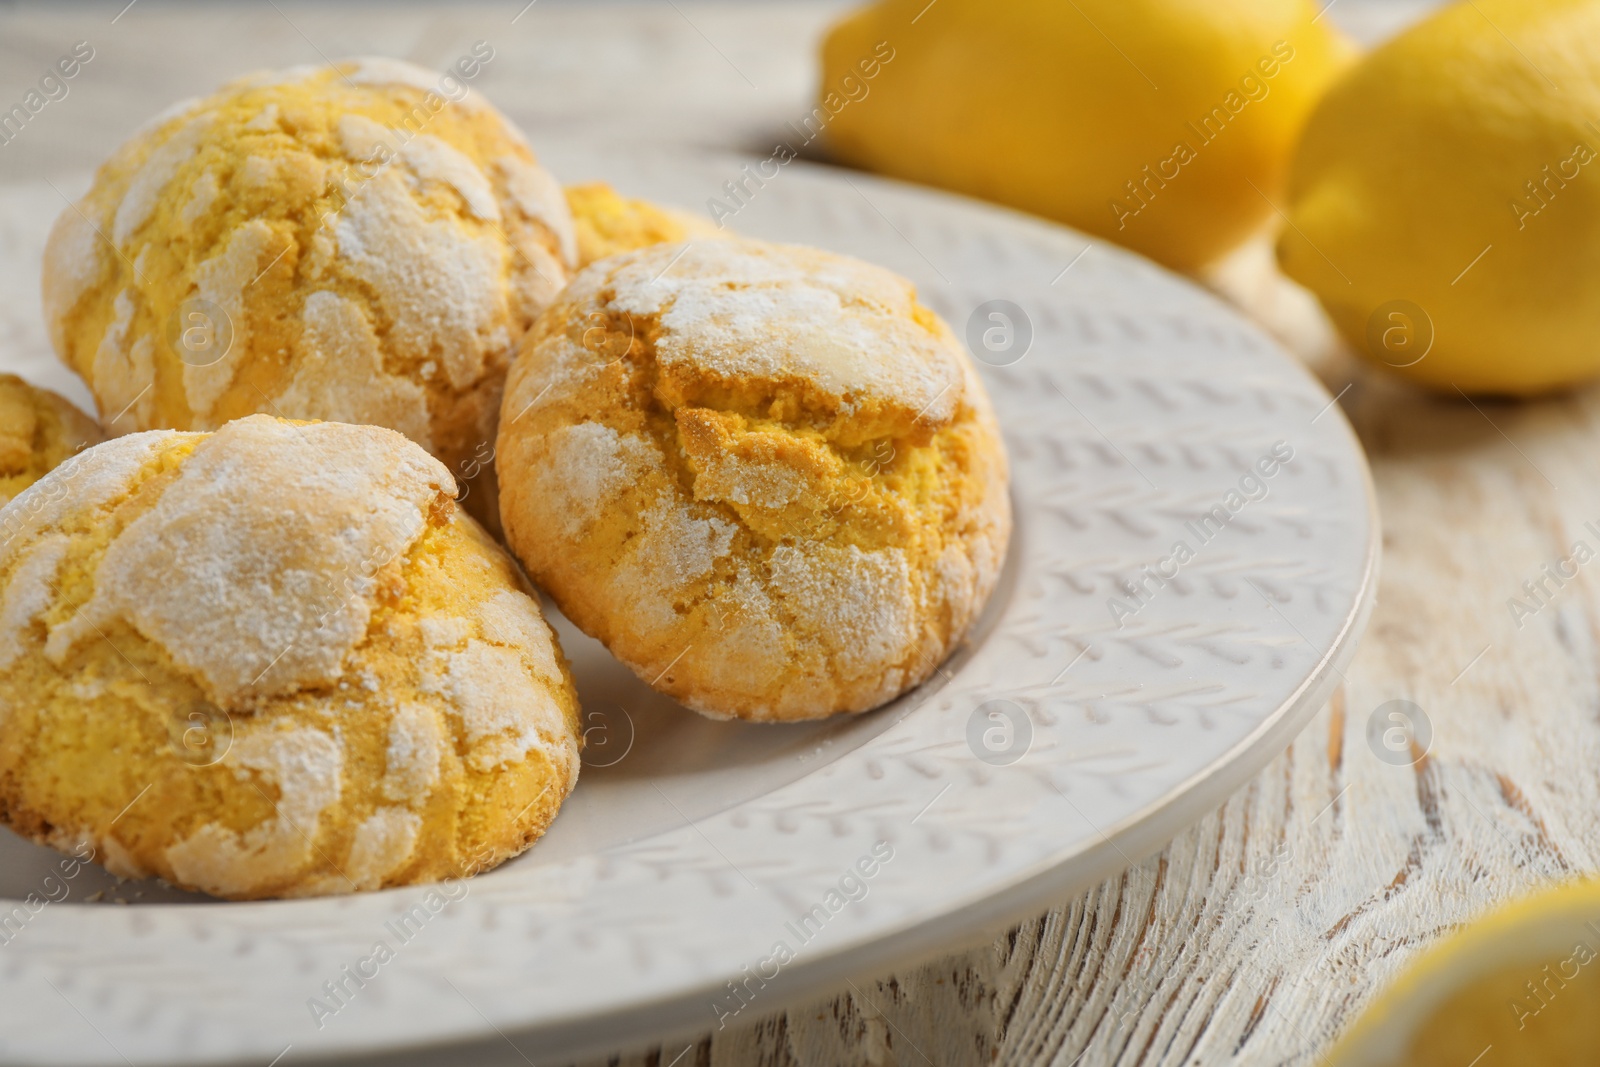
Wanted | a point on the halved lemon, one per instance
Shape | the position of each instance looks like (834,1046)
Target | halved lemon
(1520,986)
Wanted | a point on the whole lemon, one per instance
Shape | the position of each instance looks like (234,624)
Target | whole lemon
(1164,125)
(1445,199)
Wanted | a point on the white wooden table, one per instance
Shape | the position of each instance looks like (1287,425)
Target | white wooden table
(1256,935)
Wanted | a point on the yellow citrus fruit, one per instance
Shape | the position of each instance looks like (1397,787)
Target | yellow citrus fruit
(1445,199)
(1163,125)
(1514,989)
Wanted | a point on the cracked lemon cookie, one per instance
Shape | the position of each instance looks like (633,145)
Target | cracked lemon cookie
(766,477)
(274,660)
(344,243)
(608,223)
(38,431)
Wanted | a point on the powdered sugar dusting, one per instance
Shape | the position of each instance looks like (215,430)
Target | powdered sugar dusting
(305,765)
(411,761)
(674,549)
(439,283)
(512,619)
(339,374)
(444,632)
(73,260)
(222,280)
(383,843)
(123,374)
(202,195)
(274,579)
(427,157)
(538,195)
(749,650)
(859,604)
(381,70)
(163,164)
(84,484)
(434,160)
(503,715)
(585,467)
(744,309)
(26,595)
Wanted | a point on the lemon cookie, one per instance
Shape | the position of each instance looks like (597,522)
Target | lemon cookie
(608,223)
(38,430)
(764,476)
(274,660)
(341,243)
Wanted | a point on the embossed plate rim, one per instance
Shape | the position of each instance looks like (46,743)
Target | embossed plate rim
(675,999)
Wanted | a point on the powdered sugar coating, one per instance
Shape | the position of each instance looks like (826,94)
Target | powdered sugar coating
(340,373)
(512,620)
(746,310)
(438,283)
(256,607)
(72,265)
(764,476)
(84,484)
(411,762)
(384,841)
(305,766)
(537,193)
(221,281)
(503,717)
(382,70)
(396,189)
(124,368)
(585,468)
(151,179)
(416,723)
(27,594)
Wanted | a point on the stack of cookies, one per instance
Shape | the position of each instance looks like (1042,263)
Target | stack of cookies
(347,337)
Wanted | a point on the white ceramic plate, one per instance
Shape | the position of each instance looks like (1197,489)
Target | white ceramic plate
(704,874)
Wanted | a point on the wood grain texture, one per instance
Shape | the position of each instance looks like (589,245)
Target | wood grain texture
(1257,934)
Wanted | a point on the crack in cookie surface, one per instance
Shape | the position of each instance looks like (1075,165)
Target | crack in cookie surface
(427,728)
(359,247)
(765,476)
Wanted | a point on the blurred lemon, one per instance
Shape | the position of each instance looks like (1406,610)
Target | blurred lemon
(1515,989)
(1445,198)
(1163,125)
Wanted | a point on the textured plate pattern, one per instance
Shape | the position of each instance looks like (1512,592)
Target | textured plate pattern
(1141,405)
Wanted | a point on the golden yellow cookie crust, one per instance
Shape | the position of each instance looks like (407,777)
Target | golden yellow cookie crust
(271,661)
(764,476)
(608,223)
(38,431)
(362,249)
